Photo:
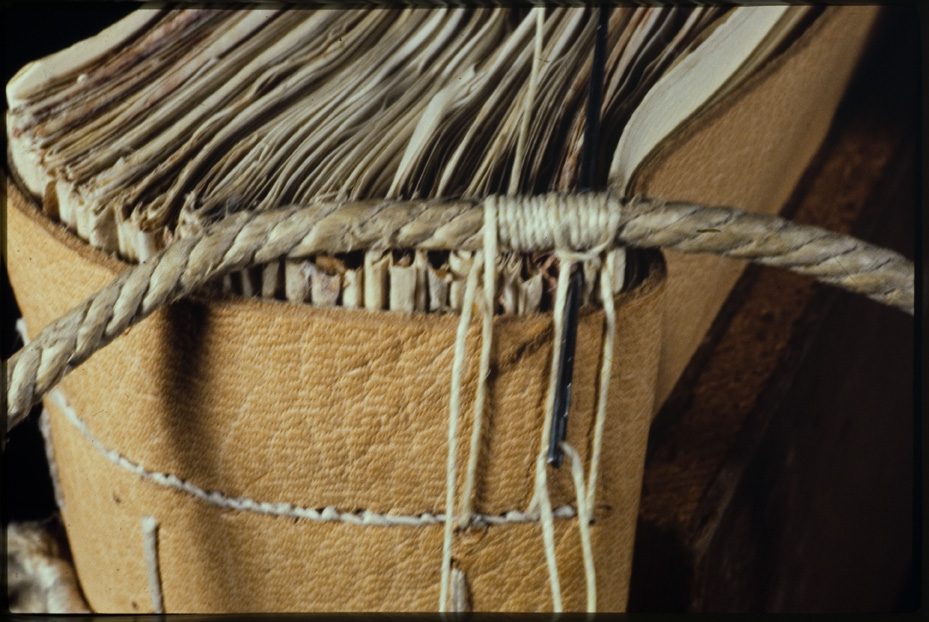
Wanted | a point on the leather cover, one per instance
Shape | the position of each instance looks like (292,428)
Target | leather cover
(325,407)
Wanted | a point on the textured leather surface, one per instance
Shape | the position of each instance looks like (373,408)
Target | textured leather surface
(325,407)
(748,151)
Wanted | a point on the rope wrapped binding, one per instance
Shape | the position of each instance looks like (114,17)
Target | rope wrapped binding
(525,225)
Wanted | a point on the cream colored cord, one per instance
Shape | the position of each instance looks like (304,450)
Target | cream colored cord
(453,416)
(584,511)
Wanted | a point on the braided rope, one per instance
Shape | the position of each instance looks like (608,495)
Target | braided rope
(525,224)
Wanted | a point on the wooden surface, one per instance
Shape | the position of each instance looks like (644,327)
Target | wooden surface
(780,471)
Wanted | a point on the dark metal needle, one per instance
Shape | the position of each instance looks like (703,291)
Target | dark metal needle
(562,402)
(565,367)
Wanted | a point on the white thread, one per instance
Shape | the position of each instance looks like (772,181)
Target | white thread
(454,409)
(548,532)
(618,275)
(150,544)
(460,595)
(283,509)
(540,498)
(567,237)
(606,366)
(489,257)
(572,220)
(480,396)
(582,225)
(583,522)
(519,224)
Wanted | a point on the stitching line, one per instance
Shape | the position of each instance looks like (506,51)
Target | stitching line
(284,509)
(280,509)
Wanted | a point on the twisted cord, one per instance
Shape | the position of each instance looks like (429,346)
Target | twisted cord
(836,259)
(526,224)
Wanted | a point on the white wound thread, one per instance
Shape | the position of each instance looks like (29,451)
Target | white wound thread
(490,231)
(454,409)
(583,522)
(568,233)
(548,533)
(150,544)
(586,498)
(520,222)
(586,222)
(489,256)
(618,275)
(606,366)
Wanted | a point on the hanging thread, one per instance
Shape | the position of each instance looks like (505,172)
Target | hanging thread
(540,498)
(606,368)
(487,317)
(451,467)
(583,522)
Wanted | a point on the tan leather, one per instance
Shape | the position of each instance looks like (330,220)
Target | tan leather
(325,407)
(748,151)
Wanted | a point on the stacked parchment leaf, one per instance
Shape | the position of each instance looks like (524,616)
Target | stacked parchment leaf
(182,117)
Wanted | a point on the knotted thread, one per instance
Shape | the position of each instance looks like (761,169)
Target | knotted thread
(575,223)
(577,227)
(574,231)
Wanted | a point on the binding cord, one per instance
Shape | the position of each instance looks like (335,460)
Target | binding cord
(566,238)
(540,500)
(487,317)
(250,238)
(490,236)
(586,494)
(606,368)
